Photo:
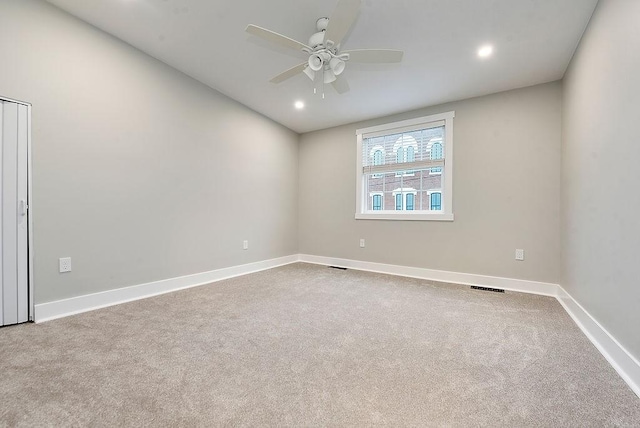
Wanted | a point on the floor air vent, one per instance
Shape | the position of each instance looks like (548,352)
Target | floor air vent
(338,267)
(495,290)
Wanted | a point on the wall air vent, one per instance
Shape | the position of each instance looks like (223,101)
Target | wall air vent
(495,290)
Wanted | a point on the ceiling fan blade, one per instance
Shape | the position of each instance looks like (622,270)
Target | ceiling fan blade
(340,85)
(342,19)
(289,73)
(275,37)
(374,55)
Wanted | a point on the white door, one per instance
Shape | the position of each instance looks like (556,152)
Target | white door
(14,282)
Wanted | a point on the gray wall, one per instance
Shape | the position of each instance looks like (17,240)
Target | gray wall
(139,172)
(506,192)
(601,174)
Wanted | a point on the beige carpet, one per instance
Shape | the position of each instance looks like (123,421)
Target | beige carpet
(306,345)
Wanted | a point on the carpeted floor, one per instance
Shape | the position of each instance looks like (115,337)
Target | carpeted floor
(306,345)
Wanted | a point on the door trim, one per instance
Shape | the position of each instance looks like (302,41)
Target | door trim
(30,251)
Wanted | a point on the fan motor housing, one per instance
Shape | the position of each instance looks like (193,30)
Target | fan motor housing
(317,39)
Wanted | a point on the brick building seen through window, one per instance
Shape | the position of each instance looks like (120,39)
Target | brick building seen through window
(406,190)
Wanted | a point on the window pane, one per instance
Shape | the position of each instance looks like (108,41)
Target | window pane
(377,157)
(377,202)
(436,154)
(402,192)
(431,181)
(410,199)
(404,147)
(379,183)
(436,201)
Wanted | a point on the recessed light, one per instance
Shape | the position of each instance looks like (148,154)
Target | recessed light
(485,51)
(299,105)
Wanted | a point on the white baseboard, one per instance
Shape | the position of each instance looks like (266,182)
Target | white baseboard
(524,286)
(620,359)
(88,302)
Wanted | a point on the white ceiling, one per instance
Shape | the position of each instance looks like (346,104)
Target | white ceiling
(533,43)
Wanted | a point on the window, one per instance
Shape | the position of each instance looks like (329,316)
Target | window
(435,153)
(405,198)
(377,155)
(405,148)
(415,177)
(399,202)
(410,200)
(377,202)
(435,201)
(411,154)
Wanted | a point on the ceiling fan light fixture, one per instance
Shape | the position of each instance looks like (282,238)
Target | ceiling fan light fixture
(310,73)
(324,49)
(316,62)
(337,66)
(329,76)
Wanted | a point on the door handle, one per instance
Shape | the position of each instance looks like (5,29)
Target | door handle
(23,207)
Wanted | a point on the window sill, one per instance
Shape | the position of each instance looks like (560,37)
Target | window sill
(405,217)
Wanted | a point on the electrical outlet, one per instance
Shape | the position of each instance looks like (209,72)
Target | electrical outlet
(65,264)
(362,243)
(245,245)
(520,255)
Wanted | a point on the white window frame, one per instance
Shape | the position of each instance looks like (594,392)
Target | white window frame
(446,214)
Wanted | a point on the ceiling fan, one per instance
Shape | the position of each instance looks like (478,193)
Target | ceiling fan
(326,60)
